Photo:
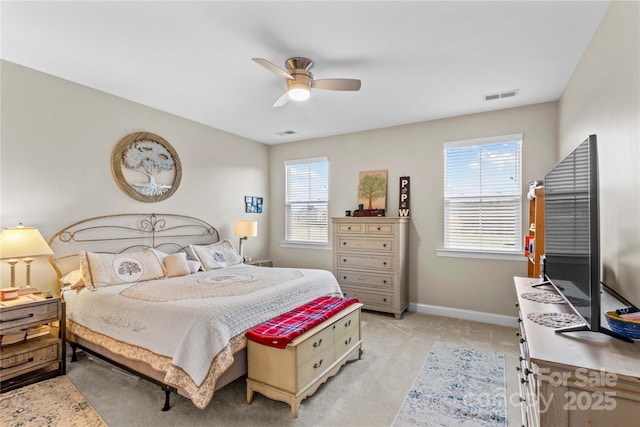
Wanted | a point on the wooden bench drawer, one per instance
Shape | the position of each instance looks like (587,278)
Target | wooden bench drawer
(315,366)
(315,345)
(346,325)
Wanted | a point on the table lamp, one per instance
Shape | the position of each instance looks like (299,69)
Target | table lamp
(22,243)
(245,229)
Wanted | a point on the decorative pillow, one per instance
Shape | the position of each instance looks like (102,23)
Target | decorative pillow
(176,264)
(194,266)
(114,269)
(217,255)
(72,280)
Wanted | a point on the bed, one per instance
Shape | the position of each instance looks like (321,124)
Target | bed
(162,296)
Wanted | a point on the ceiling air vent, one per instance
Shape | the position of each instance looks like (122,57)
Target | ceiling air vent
(507,94)
(287,132)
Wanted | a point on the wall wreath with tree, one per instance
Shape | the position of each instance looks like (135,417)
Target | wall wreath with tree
(146,167)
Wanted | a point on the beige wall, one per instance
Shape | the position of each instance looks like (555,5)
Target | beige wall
(416,151)
(603,97)
(56,145)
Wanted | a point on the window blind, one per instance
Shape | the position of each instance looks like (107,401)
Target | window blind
(307,199)
(482,195)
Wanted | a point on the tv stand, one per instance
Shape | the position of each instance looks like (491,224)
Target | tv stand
(573,380)
(600,330)
(546,282)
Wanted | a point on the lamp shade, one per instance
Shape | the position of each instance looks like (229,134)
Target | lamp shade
(22,242)
(246,228)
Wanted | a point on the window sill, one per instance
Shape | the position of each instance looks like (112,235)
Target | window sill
(459,253)
(306,245)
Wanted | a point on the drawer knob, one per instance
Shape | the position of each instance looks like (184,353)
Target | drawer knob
(317,343)
(344,243)
(317,364)
(384,245)
(347,324)
(384,299)
(521,358)
(347,342)
(522,340)
(523,380)
(344,260)
(384,281)
(348,228)
(527,372)
(384,263)
(344,277)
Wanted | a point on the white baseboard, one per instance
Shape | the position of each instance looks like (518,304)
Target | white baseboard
(459,313)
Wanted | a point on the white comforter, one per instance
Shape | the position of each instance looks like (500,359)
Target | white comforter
(192,318)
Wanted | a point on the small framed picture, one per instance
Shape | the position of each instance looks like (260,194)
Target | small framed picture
(253,204)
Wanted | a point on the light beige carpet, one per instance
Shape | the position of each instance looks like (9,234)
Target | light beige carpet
(55,402)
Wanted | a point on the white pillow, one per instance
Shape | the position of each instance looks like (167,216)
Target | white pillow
(176,264)
(194,266)
(72,280)
(217,255)
(100,269)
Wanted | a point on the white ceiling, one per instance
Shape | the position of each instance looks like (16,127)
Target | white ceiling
(418,60)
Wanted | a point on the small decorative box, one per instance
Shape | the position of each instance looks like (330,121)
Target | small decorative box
(7,294)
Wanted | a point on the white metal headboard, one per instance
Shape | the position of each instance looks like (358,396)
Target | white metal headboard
(125,233)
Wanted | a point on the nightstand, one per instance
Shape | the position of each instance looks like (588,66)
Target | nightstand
(260,262)
(41,353)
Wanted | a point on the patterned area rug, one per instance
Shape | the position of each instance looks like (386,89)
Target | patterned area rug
(457,386)
(54,402)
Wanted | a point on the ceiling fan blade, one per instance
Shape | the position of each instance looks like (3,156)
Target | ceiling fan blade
(282,100)
(272,67)
(337,84)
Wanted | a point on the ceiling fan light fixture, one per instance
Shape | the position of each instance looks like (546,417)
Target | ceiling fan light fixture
(299,92)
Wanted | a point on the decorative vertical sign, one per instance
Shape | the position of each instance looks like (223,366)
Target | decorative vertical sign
(403,209)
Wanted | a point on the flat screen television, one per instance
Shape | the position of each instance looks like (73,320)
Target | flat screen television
(572,235)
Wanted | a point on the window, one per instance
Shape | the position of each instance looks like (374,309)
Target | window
(482,194)
(307,199)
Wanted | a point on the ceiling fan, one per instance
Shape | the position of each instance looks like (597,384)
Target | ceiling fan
(300,80)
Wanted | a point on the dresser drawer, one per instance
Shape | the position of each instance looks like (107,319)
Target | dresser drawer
(365,244)
(25,357)
(315,344)
(23,316)
(350,228)
(370,298)
(379,228)
(350,277)
(363,261)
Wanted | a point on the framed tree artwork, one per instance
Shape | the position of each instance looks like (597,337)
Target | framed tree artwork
(372,189)
(146,167)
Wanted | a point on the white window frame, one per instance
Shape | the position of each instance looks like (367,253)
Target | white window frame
(301,243)
(513,253)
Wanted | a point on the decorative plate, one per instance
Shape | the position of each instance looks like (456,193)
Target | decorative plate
(555,320)
(545,297)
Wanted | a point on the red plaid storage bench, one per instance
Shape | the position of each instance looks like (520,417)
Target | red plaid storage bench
(292,355)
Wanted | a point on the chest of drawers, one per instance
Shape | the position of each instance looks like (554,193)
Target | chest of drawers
(370,261)
(295,372)
(37,358)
